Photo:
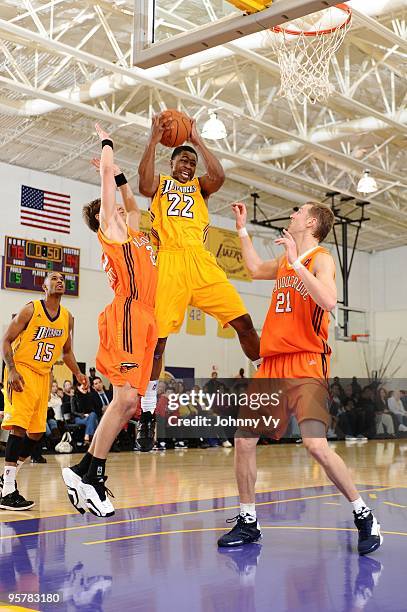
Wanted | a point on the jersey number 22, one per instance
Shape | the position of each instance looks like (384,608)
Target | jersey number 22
(185,211)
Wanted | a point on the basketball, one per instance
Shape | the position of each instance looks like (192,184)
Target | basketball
(178,131)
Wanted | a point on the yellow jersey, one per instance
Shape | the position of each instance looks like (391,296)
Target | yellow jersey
(39,346)
(179,214)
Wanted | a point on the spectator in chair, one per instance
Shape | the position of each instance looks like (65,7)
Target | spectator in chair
(92,376)
(82,412)
(336,403)
(365,410)
(55,402)
(357,389)
(68,392)
(346,420)
(99,398)
(384,420)
(396,407)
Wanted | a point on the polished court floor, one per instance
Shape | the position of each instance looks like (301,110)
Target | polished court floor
(158,552)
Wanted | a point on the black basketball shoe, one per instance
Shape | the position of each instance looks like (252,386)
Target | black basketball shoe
(146,432)
(2,484)
(242,533)
(370,537)
(15,501)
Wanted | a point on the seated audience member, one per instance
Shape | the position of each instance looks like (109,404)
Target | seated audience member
(396,407)
(336,402)
(82,412)
(365,409)
(384,420)
(99,397)
(55,402)
(241,374)
(403,397)
(357,389)
(68,392)
(346,421)
(349,394)
(213,384)
(92,376)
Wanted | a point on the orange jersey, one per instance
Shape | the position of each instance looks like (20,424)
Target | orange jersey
(294,322)
(130,267)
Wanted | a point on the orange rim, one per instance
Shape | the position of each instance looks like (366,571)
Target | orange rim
(341,7)
(355,337)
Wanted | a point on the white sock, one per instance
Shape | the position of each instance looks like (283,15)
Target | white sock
(359,506)
(249,512)
(9,479)
(149,401)
(257,363)
(20,465)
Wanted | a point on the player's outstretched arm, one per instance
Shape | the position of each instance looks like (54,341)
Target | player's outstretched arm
(320,283)
(258,268)
(130,206)
(108,185)
(128,198)
(214,178)
(148,180)
(70,360)
(17,325)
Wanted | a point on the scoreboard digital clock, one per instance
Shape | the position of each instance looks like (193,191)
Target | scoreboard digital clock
(27,262)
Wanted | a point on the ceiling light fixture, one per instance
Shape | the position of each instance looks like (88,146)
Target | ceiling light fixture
(214,128)
(367,183)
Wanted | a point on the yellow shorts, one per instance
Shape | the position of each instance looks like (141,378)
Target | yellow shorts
(28,408)
(192,277)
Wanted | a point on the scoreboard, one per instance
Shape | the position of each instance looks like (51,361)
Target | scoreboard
(27,262)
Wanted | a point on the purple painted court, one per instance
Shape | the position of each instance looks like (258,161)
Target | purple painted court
(164,557)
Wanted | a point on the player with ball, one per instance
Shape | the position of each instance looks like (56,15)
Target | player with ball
(187,272)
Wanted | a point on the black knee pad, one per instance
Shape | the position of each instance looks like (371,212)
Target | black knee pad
(13,448)
(28,447)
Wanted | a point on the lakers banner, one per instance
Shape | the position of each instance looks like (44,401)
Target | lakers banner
(225,245)
(226,332)
(195,322)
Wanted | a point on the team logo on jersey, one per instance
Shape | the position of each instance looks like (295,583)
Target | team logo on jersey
(108,268)
(171,185)
(125,367)
(43,332)
(294,282)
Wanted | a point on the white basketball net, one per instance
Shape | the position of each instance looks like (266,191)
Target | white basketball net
(304,49)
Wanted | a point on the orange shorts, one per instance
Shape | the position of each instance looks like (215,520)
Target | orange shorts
(128,336)
(299,381)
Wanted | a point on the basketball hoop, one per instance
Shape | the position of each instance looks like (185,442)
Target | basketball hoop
(304,49)
(360,337)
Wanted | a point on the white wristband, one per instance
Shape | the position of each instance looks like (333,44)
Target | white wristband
(242,232)
(297,265)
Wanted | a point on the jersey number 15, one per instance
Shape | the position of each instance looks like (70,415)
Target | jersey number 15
(45,351)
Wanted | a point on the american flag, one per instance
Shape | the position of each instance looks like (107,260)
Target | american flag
(45,209)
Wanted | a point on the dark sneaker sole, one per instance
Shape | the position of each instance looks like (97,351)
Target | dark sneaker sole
(145,445)
(373,548)
(74,499)
(237,544)
(95,512)
(4,507)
